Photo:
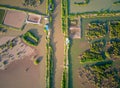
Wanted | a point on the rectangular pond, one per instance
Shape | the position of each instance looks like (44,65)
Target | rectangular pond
(93,5)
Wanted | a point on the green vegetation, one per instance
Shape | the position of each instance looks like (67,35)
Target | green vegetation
(33,3)
(104,74)
(30,38)
(65,16)
(50,65)
(2,13)
(3,30)
(98,46)
(117,2)
(96,30)
(115,29)
(51,6)
(90,56)
(85,2)
(95,53)
(114,49)
(64,81)
(37,61)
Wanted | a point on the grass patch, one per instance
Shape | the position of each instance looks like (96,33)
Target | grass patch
(64,79)
(2,13)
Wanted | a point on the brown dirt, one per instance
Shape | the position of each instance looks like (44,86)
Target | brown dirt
(16,76)
(58,39)
(15,18)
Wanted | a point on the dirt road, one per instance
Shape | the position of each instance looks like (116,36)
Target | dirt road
(58,44)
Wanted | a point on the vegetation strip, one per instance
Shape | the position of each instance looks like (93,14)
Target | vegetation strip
(64,82)
(50,66)
(50,50)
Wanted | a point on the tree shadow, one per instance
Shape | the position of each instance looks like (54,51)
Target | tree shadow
(36,34)
(39,59)
(41,1)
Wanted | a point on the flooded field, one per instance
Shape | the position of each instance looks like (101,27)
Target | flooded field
(93,5)
(77,48)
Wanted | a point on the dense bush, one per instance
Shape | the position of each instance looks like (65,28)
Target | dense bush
(104,75)
(98,46)
(64,79)
(33,3)
(90,56)
(115,29)
(96,30)
(115,47)
(85,2)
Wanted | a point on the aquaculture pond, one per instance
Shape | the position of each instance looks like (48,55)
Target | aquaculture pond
(93,6)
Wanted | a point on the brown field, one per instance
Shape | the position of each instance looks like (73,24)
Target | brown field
(16,75)
(15,18)
(19,3)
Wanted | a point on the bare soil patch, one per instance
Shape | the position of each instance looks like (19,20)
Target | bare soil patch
(15,18)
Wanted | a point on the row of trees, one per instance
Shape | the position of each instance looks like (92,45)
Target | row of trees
(64,15)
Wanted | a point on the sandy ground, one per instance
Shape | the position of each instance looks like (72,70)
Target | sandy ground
(18,3)
(58,39)
(16,76)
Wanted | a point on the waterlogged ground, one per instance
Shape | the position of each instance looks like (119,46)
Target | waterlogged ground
(93,5)
(77,48)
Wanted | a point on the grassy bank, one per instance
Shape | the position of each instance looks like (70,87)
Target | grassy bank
(65,16)
(50,67)
(2,13)
(50,50)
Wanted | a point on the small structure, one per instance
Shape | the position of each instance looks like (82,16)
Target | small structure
(75,32)
(46,27)
(15,18)
(33,18)
(75,28)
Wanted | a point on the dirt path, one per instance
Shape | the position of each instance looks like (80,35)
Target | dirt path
(58,44)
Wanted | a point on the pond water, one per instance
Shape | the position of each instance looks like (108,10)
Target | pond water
(93,5)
